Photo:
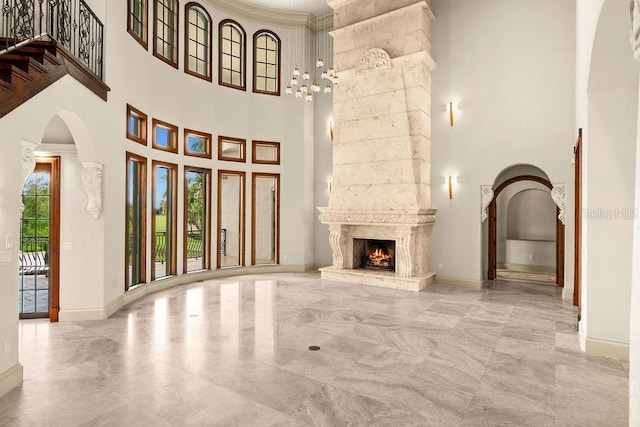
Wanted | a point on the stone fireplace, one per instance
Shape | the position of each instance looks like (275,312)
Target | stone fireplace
(381,187)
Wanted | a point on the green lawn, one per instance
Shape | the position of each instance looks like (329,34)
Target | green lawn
(161,223)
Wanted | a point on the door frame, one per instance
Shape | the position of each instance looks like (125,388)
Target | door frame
(493,226)
(52,165)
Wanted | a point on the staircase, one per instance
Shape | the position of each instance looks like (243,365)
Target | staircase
(41,42)
(27,70)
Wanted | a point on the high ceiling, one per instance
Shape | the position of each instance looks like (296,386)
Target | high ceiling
(317,7)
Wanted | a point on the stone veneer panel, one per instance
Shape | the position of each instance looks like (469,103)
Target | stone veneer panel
(347,12)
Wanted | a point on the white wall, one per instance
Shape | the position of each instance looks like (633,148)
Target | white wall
(323,160)
(607,77)
(513,73)
(523,214)
(531,215)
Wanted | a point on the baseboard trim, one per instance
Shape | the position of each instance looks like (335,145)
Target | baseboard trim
(615,350)
(11,378)
(162,284)
(465,283)
(567,294)
(81,315)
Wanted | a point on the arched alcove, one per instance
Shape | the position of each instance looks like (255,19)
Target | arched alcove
(514,180)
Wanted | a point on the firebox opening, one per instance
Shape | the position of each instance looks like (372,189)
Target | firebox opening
(376,254)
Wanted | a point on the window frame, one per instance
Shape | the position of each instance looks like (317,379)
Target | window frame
(243,56)
(254,145)
(176,13)
(207,149)
(187,39)
(143,222)
(242,142)
(143,139)
(144,39)
(207,238)
(171,265)
(256,35)
(174,139)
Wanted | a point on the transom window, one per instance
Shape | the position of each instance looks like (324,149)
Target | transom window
(198,41)
(137,22)
(165,136)
(197,144)
(266,63)
(165,42)
(232,47)
(136,125)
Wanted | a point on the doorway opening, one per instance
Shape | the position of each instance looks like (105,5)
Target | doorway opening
(525,235)
(39,271)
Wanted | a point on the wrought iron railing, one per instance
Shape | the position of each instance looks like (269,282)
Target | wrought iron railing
(71,23)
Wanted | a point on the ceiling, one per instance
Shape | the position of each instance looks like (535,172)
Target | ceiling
(317,7)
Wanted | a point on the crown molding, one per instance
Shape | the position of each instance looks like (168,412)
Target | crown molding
(281,18)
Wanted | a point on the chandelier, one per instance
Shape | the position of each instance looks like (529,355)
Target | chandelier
(304,84)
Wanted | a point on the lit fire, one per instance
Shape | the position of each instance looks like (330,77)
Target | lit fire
(378,257)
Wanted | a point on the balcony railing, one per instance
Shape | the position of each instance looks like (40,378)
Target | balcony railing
(70,23)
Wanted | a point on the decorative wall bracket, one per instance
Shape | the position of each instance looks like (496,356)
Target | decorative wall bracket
(635,28)
(28,165)
(92,181)
(487,197)
(559,195)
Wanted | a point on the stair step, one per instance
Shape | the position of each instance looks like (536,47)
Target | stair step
(6,86)
(48,45)
(14,75)
(24,62)
(40,54)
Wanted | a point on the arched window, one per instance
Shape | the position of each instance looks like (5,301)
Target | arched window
(137,22)
(165,31)
(232,62)
(197,57)
(266,63)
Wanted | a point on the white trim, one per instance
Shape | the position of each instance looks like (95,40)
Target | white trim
(265,15)
(616,350)
(567,294)
(11,378)
(162,284)
(466,283)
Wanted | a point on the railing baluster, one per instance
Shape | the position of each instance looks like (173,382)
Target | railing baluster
(71,23)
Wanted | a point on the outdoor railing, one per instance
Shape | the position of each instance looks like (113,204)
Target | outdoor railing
(71,23)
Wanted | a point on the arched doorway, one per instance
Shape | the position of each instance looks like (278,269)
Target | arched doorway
(492,249)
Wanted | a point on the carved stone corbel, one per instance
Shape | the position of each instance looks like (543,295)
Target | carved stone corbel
(92,181)
(404,258)
(28,165)
(487,197)
(635,28)
(337,240)
(559,196)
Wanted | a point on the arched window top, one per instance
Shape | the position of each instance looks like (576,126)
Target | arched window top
(197,58)
(232,55)
(266,62)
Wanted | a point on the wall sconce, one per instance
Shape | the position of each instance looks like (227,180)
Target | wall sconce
(329,185)
(451,108)
(450,181)
(331,129)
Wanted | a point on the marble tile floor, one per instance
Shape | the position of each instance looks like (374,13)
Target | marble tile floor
(234,352)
